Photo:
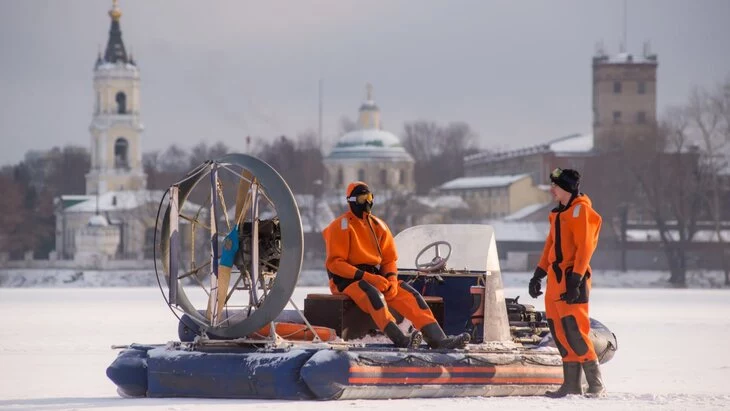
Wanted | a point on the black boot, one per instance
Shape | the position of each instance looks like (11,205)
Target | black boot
(435,337)
(401,340)
(571,381)
(595,381)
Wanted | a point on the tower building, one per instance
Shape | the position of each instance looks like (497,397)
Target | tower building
(116,155)
(624,97)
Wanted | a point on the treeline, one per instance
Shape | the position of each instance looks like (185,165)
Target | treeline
(27,220)
(438,150)
(675,178)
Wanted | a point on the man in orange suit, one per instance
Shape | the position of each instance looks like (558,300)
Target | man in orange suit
(362,263)
(573,237)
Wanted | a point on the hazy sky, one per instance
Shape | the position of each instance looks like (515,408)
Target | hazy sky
(519,72)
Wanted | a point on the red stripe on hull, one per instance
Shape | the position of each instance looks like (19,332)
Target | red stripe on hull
(454,380)
(455,375)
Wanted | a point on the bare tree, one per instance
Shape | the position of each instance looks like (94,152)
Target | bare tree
(422,139)
(458,141)
(614,191)
(438,151)
(173,159)
(165,168)
(709,118)
(14,238)
(39,178)
(68,168)
(202,152)
(298,161)
(281,154)
(312,166)
(58,170)
(670,182)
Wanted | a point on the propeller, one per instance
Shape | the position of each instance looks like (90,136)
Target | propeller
(230,246)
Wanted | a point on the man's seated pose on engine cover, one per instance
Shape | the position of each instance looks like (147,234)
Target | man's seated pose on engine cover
(361,263)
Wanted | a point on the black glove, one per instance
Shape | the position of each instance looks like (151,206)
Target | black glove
(536,282)
(573,282)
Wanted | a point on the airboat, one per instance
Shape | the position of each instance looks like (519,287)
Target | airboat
(229,248)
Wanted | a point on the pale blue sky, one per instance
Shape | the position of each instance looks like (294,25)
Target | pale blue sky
(519,72)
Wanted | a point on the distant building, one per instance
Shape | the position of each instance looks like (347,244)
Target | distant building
(624,106)
(624,97)
(114,218)
(116,153)
(537,161)
(496,196)
(369,154)
(88,225)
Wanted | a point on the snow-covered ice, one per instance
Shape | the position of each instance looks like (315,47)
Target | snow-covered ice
(55,347)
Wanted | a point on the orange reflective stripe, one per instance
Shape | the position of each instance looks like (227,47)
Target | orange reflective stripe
(456,380)
(362,374)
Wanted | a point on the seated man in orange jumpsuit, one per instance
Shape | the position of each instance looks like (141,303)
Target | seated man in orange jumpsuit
(573,237)
(361,262)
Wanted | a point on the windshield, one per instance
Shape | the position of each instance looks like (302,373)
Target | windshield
(473,246)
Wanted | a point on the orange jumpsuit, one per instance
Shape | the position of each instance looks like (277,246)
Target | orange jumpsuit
(568,249)
(358,245)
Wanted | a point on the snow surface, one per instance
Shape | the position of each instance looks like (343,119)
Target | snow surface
(369,143)
(115,200)
(55,347)
(66,278)
(623,58)
(573,144)
(525,211)
(443,201)
(520,230)
(368,137)
(480,182)
(701,236)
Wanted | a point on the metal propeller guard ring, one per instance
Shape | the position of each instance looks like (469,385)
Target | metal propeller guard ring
(438,263)
(292,240)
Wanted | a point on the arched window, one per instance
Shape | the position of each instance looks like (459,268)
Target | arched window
(361,175)
(121,153)
(121,103)
(384,177)
(340,178)
(402,177)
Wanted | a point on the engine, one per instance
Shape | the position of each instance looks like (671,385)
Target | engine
(526,325)
(269,246)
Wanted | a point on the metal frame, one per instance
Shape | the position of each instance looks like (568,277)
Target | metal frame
(281,197)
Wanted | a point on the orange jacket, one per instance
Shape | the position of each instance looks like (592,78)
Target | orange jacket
(352,241)
(572,239)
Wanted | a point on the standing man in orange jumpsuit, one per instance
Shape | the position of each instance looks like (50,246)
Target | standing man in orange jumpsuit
(574,228)
(362,263)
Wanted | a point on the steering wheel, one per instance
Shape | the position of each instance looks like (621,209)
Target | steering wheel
(438,262)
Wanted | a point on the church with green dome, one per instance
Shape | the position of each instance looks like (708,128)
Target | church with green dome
(369,154)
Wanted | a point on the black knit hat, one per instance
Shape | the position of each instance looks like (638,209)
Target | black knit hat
(567,179)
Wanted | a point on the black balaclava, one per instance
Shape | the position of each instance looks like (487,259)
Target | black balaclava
(359,209)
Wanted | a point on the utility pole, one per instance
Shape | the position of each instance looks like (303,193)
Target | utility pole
(319,128)
(624,40)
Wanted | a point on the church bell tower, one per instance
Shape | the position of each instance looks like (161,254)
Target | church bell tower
(116,156)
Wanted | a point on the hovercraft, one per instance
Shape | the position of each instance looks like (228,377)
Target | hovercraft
(229,274)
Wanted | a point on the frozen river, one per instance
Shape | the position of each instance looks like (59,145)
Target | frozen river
(55,347)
